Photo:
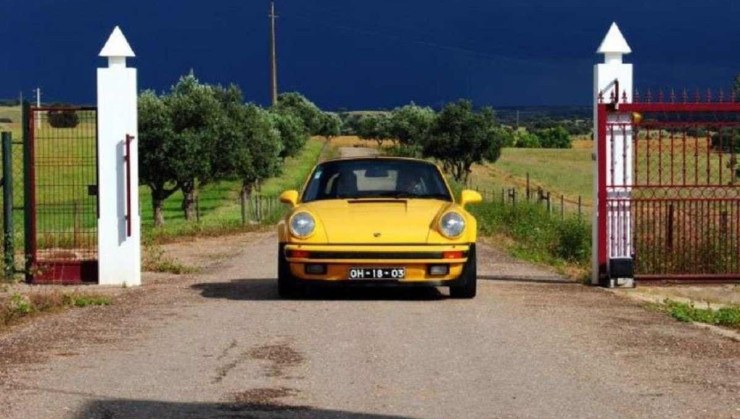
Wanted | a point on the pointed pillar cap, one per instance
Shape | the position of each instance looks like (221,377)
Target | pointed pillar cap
(614,42)
(117,45)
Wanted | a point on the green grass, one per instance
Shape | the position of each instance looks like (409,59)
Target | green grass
(295,170)
(687,312)
(14,113)
(530,233)
(18,306)
(155,260)
(219,203)
(560,171)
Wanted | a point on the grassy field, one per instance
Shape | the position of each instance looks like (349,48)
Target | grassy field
(13,113)
(561,171)
(219,205)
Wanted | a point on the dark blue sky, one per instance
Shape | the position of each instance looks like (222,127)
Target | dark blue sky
(366,54)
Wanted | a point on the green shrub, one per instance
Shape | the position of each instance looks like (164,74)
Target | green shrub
(538,236)
(401,150)
(573,240)
(63,118)
(686,312)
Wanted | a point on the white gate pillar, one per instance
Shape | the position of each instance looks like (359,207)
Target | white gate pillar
(613,77)
(119,224)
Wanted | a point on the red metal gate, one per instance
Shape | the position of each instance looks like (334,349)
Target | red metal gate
(61,194)
(675,211)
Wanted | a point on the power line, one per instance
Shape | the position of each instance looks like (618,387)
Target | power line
(492,56)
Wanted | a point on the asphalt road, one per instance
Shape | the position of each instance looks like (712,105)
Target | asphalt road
(221,344)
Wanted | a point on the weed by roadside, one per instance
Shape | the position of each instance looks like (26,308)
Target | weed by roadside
(154,260)
(537,236)
(19,305)
(687,312)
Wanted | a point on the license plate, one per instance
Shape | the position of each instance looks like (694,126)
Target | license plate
(377,273)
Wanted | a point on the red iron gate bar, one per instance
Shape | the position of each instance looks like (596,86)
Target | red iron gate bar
(127,161)
(62,199)
(675,207)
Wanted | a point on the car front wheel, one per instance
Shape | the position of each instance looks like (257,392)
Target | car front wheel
(287,284)
(469,278)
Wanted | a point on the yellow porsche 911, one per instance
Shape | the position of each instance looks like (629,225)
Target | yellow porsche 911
(377,221)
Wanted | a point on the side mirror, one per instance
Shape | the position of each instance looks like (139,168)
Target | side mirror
(289,197)
(469,197)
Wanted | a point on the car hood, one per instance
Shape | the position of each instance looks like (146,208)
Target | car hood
(381,221)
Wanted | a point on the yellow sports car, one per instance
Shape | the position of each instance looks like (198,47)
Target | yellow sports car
(377,221)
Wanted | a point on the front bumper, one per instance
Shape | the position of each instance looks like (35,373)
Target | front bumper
(338,259)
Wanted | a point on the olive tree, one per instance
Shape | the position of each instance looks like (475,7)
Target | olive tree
(460,137)
(331,125)
(296,104)
(409,125)
(373,127)
(556,137)
(195,114)
(258,152)
(291,130)
(158,152)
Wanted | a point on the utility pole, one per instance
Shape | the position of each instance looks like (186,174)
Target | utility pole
(273,56)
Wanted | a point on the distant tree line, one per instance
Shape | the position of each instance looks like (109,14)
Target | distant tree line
(458,136)
(198,133)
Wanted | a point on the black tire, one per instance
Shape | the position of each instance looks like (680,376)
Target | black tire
(469,277)
(287,284)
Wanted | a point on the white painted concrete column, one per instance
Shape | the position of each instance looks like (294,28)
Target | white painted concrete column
(119,248)
(619,154)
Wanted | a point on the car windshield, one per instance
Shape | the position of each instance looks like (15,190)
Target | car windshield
(376,178)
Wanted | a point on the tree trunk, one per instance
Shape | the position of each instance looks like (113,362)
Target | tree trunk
(245,194)
(159,194)
(158,208)
(189,195)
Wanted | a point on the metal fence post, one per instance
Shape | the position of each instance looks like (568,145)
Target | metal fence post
(7,182)
(28,208)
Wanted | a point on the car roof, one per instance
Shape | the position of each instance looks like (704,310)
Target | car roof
(389,158)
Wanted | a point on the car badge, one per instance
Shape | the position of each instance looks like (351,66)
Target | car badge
(376,234)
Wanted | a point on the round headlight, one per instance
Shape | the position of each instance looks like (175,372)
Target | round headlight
(302,224)
(452,224)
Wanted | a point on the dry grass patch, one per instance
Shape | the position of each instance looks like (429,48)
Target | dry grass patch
(17,306)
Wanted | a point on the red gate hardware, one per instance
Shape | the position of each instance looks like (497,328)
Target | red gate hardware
(127,160)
